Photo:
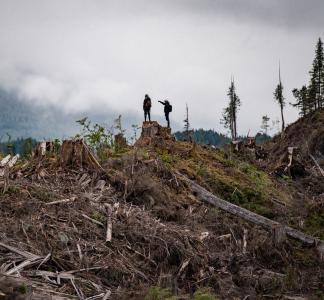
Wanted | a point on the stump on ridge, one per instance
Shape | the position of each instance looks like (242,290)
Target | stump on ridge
(153,134)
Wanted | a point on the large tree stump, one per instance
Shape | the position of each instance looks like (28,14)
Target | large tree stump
(291,164)
(76,153)
(237,146)
(153,134)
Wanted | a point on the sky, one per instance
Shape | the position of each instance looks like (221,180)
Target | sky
(105,55)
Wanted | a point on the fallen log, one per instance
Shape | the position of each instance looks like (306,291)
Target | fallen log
(252,217)
(317,164)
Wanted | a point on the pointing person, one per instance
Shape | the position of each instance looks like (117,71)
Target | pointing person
(167,110)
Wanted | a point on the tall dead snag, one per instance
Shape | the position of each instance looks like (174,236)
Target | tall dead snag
(76,153)
(279,231)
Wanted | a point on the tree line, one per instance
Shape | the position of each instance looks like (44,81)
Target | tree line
(309,97)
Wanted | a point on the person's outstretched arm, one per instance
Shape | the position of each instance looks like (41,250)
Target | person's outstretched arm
(162,102)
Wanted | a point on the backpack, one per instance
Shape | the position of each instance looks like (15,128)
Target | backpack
(147,103)
(170,108)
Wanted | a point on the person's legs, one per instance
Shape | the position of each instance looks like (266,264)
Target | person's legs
(147,114)
(167,118)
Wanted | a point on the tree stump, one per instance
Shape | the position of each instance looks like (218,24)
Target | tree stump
(76,153)
(120,141)
(236,146)
(153,134)
(43,148)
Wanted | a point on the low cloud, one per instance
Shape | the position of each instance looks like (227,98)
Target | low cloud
(105,55)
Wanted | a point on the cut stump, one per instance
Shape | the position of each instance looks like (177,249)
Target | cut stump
(76,153)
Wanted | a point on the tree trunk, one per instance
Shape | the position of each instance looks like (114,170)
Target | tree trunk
(282,119)
(252,217)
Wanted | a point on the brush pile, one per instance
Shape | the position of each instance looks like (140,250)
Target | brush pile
(114,231)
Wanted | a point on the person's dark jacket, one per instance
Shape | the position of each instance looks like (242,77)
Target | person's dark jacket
(167,106)
(147,103)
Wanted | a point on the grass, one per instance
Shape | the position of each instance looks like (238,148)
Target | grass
(204,294)
(168,160)
(158,293)
(233,180)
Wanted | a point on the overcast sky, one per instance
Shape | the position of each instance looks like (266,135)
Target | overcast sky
(106,54)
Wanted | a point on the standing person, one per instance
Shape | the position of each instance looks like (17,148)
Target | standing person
(147,104)
(167,110)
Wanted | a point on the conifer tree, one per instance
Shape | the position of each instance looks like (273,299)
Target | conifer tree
(316,87)
(278,95)
(230,113)
(303,100)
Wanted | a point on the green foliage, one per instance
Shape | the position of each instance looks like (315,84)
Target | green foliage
(204,294)
(229,119)
(310,98)
(167,159)
(158,293)
(279,97)
(101,139)
(23,289)
(97,136)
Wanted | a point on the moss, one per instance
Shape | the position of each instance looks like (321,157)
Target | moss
(98,217)
(158,293)
(204,294)
(315,223)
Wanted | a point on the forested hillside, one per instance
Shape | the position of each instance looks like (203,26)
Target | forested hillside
(211,137)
